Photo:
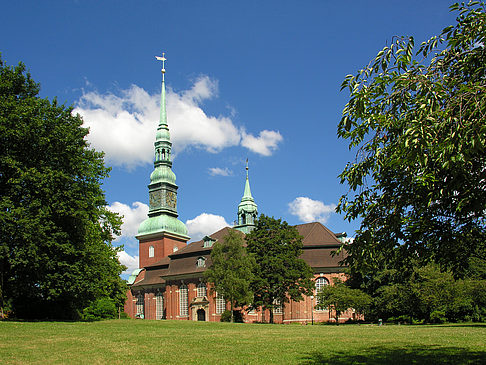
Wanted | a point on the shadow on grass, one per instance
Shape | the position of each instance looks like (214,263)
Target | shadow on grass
(410,355)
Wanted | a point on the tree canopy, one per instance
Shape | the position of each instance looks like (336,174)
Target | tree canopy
(416,119)
(340,298)
(231,270)
(279,275)
(56,255)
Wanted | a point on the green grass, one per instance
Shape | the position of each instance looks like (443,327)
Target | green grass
(182,342)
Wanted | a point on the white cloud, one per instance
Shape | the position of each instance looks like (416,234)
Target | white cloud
(132,217)
(308,210)
(219,171)
(266,142)
(124,125)
(205,224)
(131,262)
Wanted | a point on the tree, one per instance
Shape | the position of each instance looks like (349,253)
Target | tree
(340,298)
(280,275)
(419,179)
(56,255)
(231,270)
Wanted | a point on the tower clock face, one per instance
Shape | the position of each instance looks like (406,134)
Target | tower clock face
(154,199)
(171,199)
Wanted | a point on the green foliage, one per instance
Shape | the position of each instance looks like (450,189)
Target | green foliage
(416,119)
(56,255)
(339,297)
(227,317)
(231,270)
(430,295)
(103,308)
(280,275)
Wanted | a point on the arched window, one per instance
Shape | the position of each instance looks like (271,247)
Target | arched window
(140,306)
(183,300)
(151,251)
(159,306)
(320,283)
(201,290)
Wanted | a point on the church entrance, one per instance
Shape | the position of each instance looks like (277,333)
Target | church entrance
(201,314)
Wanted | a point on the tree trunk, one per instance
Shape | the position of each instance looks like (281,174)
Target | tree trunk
(271,315)
(232,314)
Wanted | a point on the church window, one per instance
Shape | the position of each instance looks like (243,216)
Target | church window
(220,304)
(183,300)
(159,306)
(201,262)
(140,306)
(278,307)
(201,290)
(151,251)
(320,283)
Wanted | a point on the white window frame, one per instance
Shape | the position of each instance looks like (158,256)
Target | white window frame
(151,251)
(278,307)
(321,282)
(201,262)
(183,301)
(159,305)
(201,290)
(220,304)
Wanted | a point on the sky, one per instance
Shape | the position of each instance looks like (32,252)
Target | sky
(256,80)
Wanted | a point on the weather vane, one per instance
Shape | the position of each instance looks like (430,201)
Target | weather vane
(163,59)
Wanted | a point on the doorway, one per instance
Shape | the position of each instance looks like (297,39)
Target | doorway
(201,315)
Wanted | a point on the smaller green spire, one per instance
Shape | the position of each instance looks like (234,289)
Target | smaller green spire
(247,209)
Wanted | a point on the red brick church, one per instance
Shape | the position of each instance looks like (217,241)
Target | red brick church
(169,283)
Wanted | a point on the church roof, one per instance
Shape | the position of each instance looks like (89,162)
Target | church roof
(319,243)
(316,234)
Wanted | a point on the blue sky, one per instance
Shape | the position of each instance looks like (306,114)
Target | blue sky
(254,79)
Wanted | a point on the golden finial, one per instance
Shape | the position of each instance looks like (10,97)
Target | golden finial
(163,59)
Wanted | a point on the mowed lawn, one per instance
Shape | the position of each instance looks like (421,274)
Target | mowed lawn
(183,342)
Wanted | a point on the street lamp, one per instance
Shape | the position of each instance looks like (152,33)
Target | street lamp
(312,308)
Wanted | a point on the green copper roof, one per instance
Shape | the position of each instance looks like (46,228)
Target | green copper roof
(247,209)
(247,202)
(162,223)
(162,173)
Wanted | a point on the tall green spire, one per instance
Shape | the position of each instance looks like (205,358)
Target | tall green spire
(162,188)
(247,209)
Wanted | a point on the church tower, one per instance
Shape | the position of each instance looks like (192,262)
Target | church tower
(247,209)
(161,233)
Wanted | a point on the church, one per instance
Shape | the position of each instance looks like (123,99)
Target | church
(169,283)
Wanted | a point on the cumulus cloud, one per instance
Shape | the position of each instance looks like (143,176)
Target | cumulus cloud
(132,217)
(124,125)
(219,171)
(308,210)
(131,262)
(205,224)
(265,144)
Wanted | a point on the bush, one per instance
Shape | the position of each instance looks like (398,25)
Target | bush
(438,316)
(226,316)
(237,316)
(103,308)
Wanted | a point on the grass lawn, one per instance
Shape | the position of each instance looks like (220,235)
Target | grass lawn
(183,342)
